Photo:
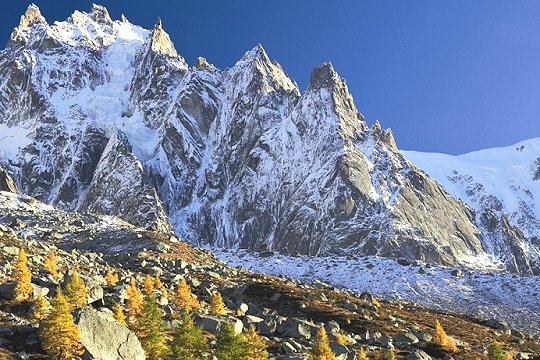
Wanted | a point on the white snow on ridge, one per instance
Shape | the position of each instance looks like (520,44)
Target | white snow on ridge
(11,140)
(483,294)
(505,172)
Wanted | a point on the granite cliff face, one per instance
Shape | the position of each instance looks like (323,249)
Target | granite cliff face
(111,119)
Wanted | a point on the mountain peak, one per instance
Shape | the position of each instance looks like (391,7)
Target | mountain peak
(161,42)
(31,16)
(323,76)
(100,14)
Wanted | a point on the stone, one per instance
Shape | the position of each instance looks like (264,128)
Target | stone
(10,250)
(105,338)
(456,273)
(39,290)
(299,329)
(95,292)
(418,355)
(499,325)
(341,351)
(404,339)
(214,324)
(17,224)
(6,290)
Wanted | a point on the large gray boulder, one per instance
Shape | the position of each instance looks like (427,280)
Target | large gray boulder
(104,338)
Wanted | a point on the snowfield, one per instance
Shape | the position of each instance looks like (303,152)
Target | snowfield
(483,294)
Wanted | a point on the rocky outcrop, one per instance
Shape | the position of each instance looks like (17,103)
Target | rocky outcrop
(105,338)
(6,182)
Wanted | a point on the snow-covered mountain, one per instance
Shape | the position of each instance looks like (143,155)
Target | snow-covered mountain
(502,185)
(104,116)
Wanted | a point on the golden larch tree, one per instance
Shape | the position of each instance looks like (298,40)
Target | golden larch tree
(134,298)
(51,263)
(157,283)
(111,278)
(321,348)
(76,291)
(39,309)
(361,354)
(183,296)
(59,335)
(118,313)
(22,277)
(440,336)
(151,329)
(148,288)
(255,345)
(217,306)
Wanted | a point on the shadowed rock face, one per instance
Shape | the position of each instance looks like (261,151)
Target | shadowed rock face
(120,125)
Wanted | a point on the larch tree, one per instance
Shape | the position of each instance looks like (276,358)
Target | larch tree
(188,342)
(148,288)
(134,298)
(255,345)
(118,312)
(75,290)
(51,263)
(440,336)
(22,277)
(230,345)
(157,283)
(59,335)
(361,354)
(217,306)
(111,278)
(495,351)
(151,329)
(183,296)
(39,309)
(321,348)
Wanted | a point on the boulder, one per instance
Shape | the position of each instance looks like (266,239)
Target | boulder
(299,329)
(418,355)
(404,339)
(95,292)
(214,324)
(499,325)
(105,338)
(341,351)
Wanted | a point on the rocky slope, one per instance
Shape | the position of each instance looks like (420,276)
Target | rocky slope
(102,115)
(286,311)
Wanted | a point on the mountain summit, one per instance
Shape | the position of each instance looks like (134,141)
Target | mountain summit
(105,116)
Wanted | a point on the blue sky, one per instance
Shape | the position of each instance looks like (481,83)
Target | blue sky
(446,76)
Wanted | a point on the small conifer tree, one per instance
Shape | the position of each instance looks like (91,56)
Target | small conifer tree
(164,293)
(22,277)
(440,336)
(40,308)
(111,278)
(188,342)
(341,338)
(51,263)
(59,335)
(361,354)
(157,283)
(118,312)
(229,345)
(321,348)
(495,351)
(217,306)
(183,296)
(134,298)
(390,354)
(148,285)
(151,329)
(508,356)
(76,291)
(255,345)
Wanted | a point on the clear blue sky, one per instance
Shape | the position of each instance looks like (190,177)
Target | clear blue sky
(446,76)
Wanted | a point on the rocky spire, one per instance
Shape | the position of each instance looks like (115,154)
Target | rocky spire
(100,14)
(324,77)
(385,136)
(161,42)
(31,17)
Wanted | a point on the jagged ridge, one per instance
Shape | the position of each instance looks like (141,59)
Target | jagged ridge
(116,122)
